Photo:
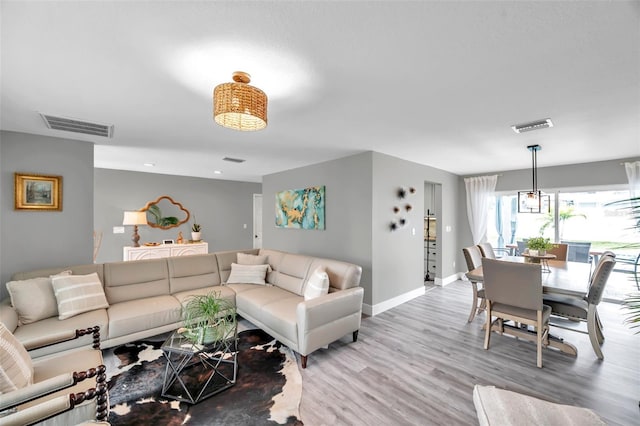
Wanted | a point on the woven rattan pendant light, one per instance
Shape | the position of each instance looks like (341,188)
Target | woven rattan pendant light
(240,106)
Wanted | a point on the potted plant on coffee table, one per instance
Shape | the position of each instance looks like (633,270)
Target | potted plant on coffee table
(538,246)
(208,318)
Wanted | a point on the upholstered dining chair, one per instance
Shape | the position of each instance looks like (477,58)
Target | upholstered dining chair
(559,250)
(473,257)
(513,291)
(522,247)
(585,309)
(52,390)
(487,250)
(578,251)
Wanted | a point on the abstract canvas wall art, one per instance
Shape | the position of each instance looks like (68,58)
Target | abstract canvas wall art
(300,208)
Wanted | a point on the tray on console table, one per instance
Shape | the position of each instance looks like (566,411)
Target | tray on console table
(163,250)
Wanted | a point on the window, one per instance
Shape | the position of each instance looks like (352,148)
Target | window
(582,216)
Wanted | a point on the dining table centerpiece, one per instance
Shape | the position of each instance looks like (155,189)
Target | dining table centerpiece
(538,246)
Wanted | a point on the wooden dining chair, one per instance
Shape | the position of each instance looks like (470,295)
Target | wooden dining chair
(559,250)
(473,257)
(585,308)
(513,291)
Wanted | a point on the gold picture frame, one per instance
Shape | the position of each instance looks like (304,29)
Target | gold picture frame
(37,192)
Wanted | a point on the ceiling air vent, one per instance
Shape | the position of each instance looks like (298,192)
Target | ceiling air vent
(78,126)
(234,160)
(534,125)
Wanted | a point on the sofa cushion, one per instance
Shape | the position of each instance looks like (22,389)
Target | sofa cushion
(225,293)
(125,281)
(16,368)
(252,259)
(275,259)
(342,275)
(248,274)
(252,301)
(142,314)
(77,294)
(317,284)
(33,299)
(192,272)
(31,335)
(226,258)
(292,272)
(280,315)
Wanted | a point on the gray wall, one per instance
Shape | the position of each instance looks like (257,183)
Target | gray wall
(348,192)
(360,196)
(221,207)
(576,176)
(41,239)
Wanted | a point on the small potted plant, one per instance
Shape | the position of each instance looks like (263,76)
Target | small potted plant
(208,318)
(196,235)
(538,246)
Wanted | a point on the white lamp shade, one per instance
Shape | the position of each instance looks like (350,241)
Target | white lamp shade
(135,218)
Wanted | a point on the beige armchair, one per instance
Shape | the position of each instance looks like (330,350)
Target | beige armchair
(473,257)
(53,390)
(513,291)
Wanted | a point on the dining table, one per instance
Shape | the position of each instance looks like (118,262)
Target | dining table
(565,277)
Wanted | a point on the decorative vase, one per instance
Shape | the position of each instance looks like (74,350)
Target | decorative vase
(196,236)
(533,252)
(542,252)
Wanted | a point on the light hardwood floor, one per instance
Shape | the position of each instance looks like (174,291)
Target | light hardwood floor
(417,364)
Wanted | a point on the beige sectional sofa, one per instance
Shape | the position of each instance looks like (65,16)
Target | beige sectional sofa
(145,299)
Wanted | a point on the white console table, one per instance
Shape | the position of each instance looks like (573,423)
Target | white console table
(164,250)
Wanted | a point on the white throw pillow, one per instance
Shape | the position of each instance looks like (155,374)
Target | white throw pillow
(77,294)
(247,274)
(16,368)
(33,299)
(317,284)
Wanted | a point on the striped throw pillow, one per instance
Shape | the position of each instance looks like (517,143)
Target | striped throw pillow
(77,294)
(247,274)
(16,368)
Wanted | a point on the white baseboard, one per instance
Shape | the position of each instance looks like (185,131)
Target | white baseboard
(392,303)
(448,280)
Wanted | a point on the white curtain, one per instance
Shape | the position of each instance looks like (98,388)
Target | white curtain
(479,192)
(633,174)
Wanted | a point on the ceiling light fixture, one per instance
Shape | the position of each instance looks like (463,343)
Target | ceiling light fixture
(534,125)
(240,106)
(534,201)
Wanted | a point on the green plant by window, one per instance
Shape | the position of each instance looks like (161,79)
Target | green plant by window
(539,243)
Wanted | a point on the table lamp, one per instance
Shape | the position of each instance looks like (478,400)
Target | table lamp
(135,219)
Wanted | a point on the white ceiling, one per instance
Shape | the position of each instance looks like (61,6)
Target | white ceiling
(437,83)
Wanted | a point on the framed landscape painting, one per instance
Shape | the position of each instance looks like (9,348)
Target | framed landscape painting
(300,208)
(38,192)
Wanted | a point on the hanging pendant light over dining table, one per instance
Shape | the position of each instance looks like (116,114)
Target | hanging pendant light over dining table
(534,201)
(239,105)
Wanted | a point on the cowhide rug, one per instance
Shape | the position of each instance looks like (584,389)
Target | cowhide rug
(267,391)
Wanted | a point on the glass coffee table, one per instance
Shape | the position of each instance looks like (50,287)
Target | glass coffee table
(197,371)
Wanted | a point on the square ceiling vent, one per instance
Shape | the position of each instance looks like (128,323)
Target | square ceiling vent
(78,126)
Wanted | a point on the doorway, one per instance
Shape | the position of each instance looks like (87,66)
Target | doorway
(432,195)
(257,221)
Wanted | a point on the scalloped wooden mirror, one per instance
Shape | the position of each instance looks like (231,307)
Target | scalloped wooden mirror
(165,213)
